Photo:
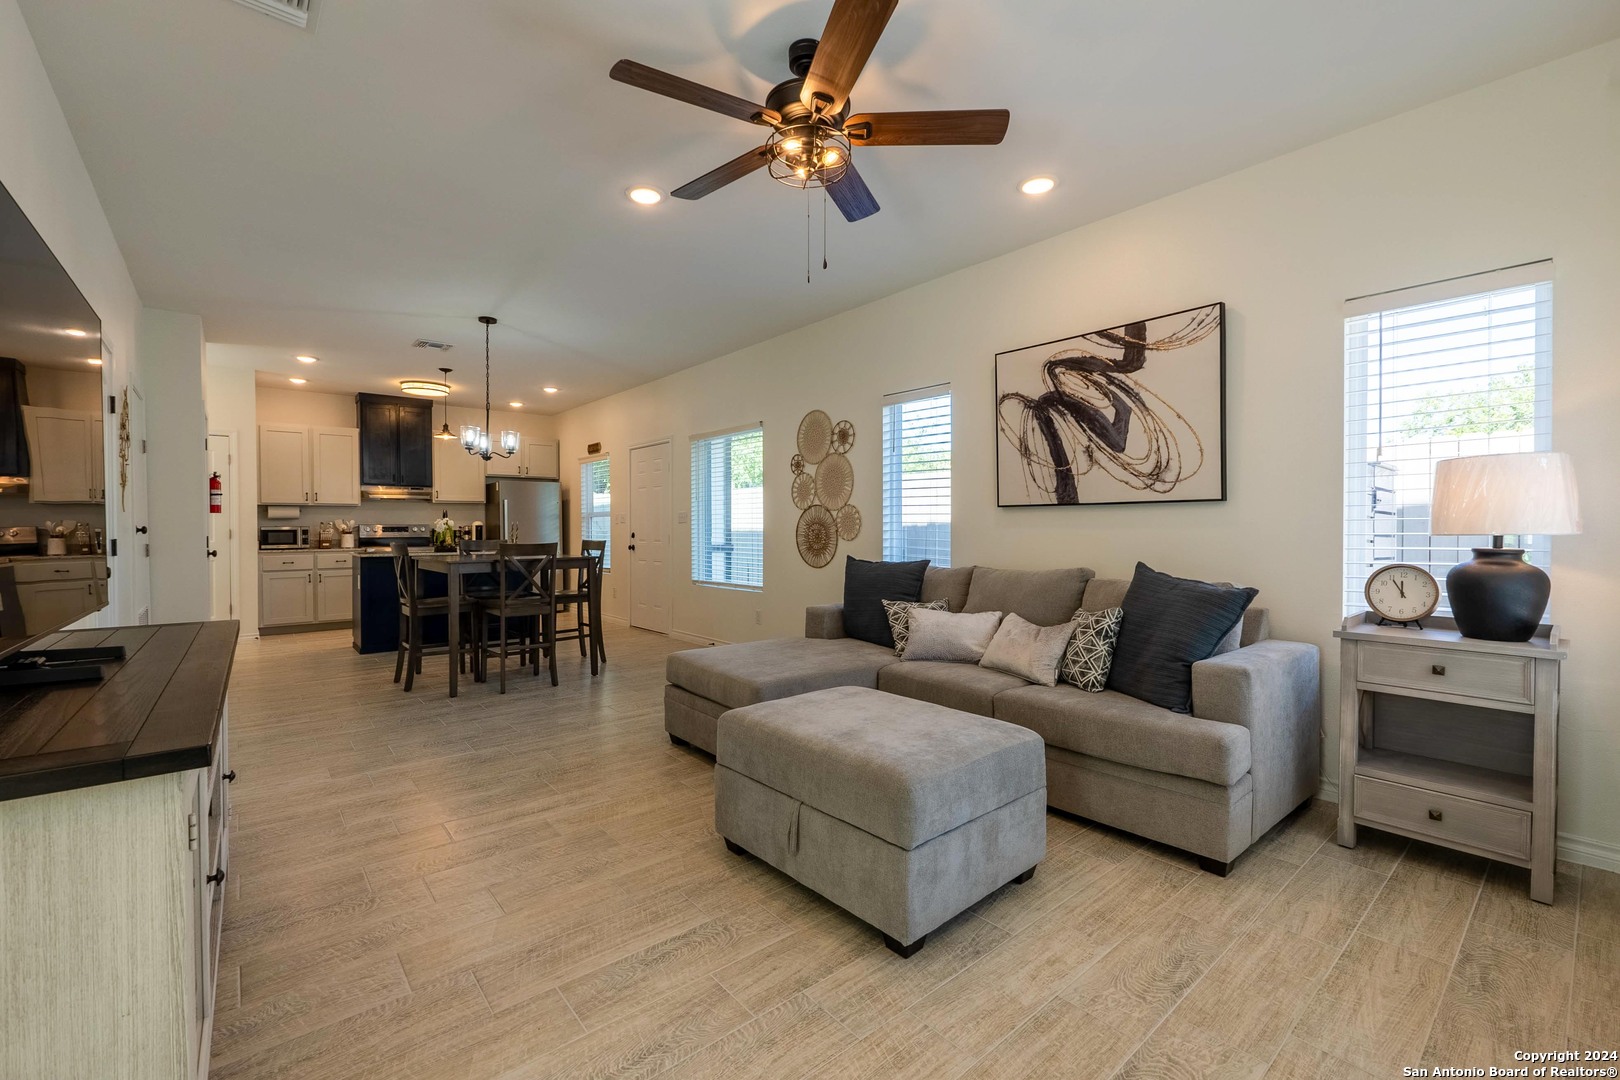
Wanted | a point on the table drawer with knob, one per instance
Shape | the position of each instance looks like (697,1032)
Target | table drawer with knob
(1479,675)
(1451,819)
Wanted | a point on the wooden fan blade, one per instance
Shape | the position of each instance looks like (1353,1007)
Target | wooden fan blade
(715,179)
(852,30)
(948,127)
(704,97)
(852,195)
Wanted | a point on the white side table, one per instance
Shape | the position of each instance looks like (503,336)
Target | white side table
(1452,740)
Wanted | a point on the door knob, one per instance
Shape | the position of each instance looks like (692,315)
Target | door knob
(213,554)
(140,529)
(217,877)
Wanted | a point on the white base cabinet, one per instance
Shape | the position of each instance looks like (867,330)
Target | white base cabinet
(298,588)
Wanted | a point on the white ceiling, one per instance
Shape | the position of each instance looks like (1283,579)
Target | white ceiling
(407,165)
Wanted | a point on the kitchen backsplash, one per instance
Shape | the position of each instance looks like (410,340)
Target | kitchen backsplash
(382,512)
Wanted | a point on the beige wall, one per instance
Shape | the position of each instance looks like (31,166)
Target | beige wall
(1519,170)
(60,388)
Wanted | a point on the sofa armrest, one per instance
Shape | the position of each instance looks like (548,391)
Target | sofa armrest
(824,621)
(1274,689)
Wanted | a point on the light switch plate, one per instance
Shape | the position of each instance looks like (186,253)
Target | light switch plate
(680,518)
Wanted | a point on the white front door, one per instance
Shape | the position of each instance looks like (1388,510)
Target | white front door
(221,532)
(649,537)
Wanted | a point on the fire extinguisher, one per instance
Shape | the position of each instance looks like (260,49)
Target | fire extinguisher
(216,495)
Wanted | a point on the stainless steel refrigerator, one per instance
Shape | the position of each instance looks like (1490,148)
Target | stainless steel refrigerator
(523,511)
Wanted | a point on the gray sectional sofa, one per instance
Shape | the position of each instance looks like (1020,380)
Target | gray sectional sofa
(1211,783)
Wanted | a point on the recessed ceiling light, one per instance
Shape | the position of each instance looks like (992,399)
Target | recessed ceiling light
(296,381)
(424,388)
(1037,185)
(645,196)
(549,389)
(308,359)
(515,404)
(96,360)
(76,333)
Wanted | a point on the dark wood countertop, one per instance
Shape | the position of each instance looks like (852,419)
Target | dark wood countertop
(157,711)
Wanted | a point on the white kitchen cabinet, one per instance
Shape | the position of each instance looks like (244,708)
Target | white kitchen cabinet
(334,581)
(458,477)
(66,452)
(284,467)
(540,459)
(308,466)
(335,466)
(286,597)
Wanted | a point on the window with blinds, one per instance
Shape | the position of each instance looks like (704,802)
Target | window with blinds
(596,504)
(728,508)
(917,476)
(1447,370)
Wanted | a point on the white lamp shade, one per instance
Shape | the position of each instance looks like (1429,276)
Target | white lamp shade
(1497,494)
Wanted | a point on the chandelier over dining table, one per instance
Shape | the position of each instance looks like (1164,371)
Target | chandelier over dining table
(481,440)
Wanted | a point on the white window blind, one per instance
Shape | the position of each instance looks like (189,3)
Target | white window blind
(596,504)
(917,476)
(728,508)
(1446,370)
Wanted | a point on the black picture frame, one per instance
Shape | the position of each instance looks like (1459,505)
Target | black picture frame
(1082,420)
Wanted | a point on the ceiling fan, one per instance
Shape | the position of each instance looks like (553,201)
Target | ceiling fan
(813,134)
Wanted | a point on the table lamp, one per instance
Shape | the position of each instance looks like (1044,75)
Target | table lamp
(1497,596)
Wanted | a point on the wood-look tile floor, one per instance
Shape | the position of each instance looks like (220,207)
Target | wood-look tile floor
(530,886)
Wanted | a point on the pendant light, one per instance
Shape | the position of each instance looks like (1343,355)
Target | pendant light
(444,431)
(479,440)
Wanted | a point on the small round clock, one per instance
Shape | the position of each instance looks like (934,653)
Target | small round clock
(1402,593)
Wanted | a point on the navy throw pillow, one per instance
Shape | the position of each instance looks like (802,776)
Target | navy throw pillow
(867,585)
(1169,625)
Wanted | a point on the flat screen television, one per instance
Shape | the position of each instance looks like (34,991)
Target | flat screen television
(54,480)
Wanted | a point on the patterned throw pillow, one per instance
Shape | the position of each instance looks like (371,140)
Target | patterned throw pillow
(1091,649)
(899,612)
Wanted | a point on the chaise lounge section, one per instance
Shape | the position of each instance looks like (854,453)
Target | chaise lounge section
(1211,783)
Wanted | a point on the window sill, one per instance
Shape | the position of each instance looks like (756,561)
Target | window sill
(729,586)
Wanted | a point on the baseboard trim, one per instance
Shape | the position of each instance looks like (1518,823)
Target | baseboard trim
(1571,848)
(682,635)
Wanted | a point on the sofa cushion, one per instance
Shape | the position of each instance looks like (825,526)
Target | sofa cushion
(941,635)
(1091,649)
(1104,592)
(1121,728)
(1028,651)
(736,675)
(947,583)
(904,771)
(965,687)
(899,613)
(1044,597)
(867,584)
(1170,624)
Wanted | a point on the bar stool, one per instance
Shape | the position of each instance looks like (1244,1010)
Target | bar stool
(413,608)
(586,598)
(527,581)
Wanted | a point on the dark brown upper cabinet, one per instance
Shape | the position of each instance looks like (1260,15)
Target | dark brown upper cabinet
(396,442)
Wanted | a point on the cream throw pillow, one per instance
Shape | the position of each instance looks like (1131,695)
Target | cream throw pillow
(1028,651)
(940,635)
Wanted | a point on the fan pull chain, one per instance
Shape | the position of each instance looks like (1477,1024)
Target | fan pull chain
(807,236)
(824,228)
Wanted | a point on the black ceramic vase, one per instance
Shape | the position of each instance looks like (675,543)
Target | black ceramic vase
(1497,596)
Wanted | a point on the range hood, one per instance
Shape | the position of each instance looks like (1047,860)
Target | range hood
(386,491)
(15,465)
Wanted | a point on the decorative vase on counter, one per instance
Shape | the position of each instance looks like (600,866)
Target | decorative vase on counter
(444,534)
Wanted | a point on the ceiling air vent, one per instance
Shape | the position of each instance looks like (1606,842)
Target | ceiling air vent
(296,12)
(424,343)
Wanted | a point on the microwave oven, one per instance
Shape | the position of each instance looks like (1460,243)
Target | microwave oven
(284,536)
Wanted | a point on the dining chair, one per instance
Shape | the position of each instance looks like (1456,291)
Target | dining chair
(413,609)
(527,594)
(585,597)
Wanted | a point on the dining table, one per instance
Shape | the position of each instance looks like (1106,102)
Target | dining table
(458,566)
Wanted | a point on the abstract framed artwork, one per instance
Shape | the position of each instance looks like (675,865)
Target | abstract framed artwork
(1132,414)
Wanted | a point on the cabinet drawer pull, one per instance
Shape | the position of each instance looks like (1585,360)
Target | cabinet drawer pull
(217,877)
(230,777)
(1437,669)
(1435,815)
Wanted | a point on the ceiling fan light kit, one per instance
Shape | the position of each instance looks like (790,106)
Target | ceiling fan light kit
(813,137)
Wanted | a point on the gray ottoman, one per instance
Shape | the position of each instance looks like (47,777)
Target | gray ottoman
(901,812)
